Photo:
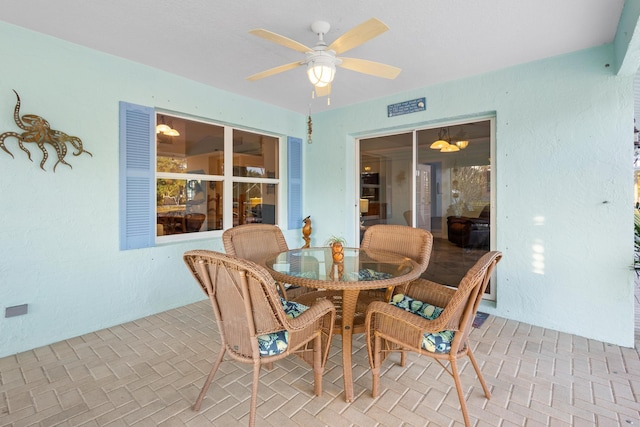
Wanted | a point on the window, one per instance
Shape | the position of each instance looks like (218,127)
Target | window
(191,176)
(181,177)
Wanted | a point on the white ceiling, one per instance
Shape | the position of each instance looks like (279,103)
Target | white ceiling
(432,41)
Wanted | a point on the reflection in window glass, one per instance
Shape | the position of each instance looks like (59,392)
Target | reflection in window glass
(254,155)
(447,191)
(254,203)
(188,206)
(385,179)
(191,176)
(457,166)
(189,146)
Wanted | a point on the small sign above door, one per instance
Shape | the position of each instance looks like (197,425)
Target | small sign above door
(406,107)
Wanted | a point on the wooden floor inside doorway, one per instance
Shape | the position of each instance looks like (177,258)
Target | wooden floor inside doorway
(449,263)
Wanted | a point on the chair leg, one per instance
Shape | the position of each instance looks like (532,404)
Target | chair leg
(207,383)
(254,394)
(463,403)
(375,369)
(487,393)
(282,290)
(317,365)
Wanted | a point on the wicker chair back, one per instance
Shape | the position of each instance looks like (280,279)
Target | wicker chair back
(414,243)
(254,242)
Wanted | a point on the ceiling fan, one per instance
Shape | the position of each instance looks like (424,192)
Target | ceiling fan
(321,60)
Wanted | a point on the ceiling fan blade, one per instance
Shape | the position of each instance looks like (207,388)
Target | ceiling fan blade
(369,67)
(275,70)
(358,35)
(323,91)
(281,40)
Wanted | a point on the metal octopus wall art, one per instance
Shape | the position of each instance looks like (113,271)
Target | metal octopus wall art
(38,131)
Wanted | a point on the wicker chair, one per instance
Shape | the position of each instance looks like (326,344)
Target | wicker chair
(250,313)
(414,243)
(255,242)
(417,327)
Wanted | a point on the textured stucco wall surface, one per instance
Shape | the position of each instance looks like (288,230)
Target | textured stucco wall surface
(59,231)
(563,196)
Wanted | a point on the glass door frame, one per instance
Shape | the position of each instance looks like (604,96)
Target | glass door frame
(491,295)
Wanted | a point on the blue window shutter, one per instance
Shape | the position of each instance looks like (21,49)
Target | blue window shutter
(137,176)
(294,184)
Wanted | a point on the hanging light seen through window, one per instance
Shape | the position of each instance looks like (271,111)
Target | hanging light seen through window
(165,129)
(445,143)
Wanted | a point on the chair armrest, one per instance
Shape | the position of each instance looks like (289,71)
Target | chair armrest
(313,313)
(321,316)
(400,324)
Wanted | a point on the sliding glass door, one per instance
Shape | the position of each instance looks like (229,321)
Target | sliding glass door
(438,179)
(385,179)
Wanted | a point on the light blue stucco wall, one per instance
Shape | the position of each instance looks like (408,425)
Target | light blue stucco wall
(59,231)
(564,184)
(567,253)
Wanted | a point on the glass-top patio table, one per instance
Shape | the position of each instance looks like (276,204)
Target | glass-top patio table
(361,269)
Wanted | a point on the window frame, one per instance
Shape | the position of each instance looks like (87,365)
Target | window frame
(227,178)
(440,188)
(138,224)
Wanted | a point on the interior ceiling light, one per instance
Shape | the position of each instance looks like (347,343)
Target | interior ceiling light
(445,144)
(450,148)
(165,129)
(441,143)
(462,144)
(461,139)
(162,128)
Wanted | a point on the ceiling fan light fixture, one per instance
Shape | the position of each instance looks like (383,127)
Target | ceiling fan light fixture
(321,75)
(321,60)
(321,71)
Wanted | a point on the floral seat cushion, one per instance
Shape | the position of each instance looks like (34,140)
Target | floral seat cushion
(435,342)
(367,274)
(304,274)
(276,342)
